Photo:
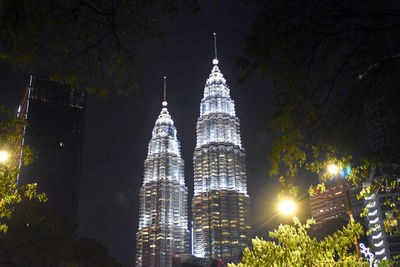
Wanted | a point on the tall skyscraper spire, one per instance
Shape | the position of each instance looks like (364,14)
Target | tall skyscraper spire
(215,48)
(164,103)
(220,204)
(163,228)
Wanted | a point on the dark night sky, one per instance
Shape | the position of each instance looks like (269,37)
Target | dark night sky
(118,128)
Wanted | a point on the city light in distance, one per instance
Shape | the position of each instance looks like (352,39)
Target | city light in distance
(287,206)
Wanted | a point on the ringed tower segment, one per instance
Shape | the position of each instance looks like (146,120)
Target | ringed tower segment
(163,229)
(220,204)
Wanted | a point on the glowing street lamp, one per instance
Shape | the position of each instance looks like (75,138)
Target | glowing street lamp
(3,156)
(287,207)
(333,169)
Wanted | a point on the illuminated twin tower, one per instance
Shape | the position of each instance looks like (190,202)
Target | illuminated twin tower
(163,226)
(220,204)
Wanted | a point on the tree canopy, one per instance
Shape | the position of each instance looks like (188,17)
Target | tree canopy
(335,66)
(11,193)
(89,44)
(294,247)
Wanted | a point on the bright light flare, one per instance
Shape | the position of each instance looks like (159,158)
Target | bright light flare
(333,169)
(3,156)
(287,207)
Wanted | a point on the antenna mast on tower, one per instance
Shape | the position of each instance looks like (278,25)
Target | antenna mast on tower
(164,103)
(215,60)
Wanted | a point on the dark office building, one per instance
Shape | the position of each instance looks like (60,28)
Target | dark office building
(55,116)
(383,131)
(383,128)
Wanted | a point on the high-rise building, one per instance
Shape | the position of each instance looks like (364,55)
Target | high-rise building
(163,229)
(221,205)
(386,245)
(383,127)
(330,209)
(55,118)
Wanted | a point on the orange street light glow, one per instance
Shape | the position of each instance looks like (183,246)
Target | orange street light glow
(287,207)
